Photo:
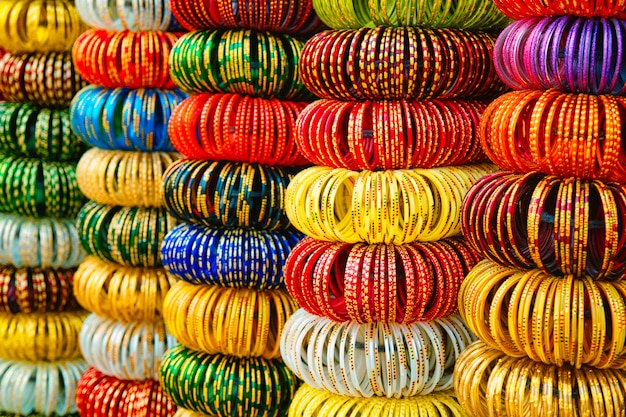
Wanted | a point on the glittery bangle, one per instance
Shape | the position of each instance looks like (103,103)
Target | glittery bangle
(118,15)
(518,9)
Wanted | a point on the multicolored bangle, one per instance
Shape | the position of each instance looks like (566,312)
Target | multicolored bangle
(223,385)
(237,128)
(233,257)
(519,9)
(119,15)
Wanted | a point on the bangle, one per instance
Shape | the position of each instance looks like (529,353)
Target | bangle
(401,134)
(373,359)
(311,402)
(130,236)
(391,207)
(122,15)
(562,227)
(519,9)
(237,128)
(123,178)
(100,395)
(46,79)
(38,25)
(36,132)
(425,63)
(239,258)
(464,14)
(121,292)
(378,283)
(34,290)
(253,387)
(488,382)
(42,388)
(181,412)
(234,61)
(124,119)
(229,194)
(241,322)
(125,59)
(40,336)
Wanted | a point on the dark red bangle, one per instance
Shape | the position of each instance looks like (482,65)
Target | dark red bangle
(237,128)
(519,9)
(400,63)
(125,59)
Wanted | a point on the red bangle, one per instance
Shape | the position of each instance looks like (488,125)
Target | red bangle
(125,59)
(519,9)
(237,128)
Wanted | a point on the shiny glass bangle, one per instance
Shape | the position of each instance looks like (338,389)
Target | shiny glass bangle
(118,15)
(518,9)
(253,387)
(182,412)
(238,258)
(374,359)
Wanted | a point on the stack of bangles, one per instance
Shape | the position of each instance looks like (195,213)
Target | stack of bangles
(125,59)
(294,17)
(39,389)
(39,243)
(225,386)
(311,402)
(391,207)
(119,15)
(242,322)
(121,292)
(237,61)
(123,178)
(34,290)
(519,9)
(562,226)
(129,236)
(387,134)
(222,193)
(100,395)
(399,63)
(556,133)
(38,132)
(40,336)
(46,79)
(45,26)
(236,127)
(32,187)
(231,257)
(125,350)
(378,283)
(490,383)
(374,359)
(124,118)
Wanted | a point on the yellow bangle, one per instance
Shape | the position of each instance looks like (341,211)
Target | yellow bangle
(182,412)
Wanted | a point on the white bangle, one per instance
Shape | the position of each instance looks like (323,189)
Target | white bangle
(118,15)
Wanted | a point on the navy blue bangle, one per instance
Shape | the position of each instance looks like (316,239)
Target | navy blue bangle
(124,118)
(228,257)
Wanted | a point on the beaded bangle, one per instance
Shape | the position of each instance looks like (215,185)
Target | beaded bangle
(400,134)
(39,25)
(46,79)
(123,178)
(555,133)
(101,395)
(125,350)
(237,128)
(488,382)
(121,292)
(123,118)
(381,283)
(28,290)
(36,132)
(236,61)
(241,322)
(222,385)
(391,207)
(130,236)
(227,194)
(32,187)
(125,59)
(424,64)
(40,336)
(565,226)
(356,14)
(518,9)
(311,402)
(118,15)
(42,388)
(228,257)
